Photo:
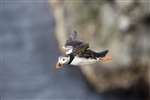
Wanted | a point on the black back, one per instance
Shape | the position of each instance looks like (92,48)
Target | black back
(91,54)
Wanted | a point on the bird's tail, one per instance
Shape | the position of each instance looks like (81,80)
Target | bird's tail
(102,53)
(103,56)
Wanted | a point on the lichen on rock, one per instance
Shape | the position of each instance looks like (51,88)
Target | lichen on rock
(120,26)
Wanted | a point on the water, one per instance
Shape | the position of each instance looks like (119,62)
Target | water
(28,53)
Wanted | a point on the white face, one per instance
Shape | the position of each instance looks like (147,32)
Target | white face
(69,49)
(63,60)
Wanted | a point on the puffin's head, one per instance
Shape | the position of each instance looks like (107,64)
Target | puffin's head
(61,61)
(68,49)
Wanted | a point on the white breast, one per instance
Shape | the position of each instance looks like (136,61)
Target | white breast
(82,61)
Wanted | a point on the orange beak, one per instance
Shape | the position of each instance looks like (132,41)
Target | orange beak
(58,65)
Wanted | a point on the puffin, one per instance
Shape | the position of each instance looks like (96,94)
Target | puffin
(78,53)
(88,57)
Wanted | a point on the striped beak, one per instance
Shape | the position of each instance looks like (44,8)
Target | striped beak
(58,65)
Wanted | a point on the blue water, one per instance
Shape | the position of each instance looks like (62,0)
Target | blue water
(28,53)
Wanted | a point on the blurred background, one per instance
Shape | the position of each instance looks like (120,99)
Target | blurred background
(31,36)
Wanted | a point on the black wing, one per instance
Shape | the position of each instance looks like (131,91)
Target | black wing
(78,46)
(80,49)
(72,36)
(72,41)
(92,54)
(102,53)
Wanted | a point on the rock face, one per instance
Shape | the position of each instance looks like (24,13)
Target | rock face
(120,26)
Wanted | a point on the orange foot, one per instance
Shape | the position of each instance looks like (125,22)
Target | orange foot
(108,57)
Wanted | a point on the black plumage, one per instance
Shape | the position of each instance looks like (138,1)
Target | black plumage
(78,46)
(81,49)
(91,54)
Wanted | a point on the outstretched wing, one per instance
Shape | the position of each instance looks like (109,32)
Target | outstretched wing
(78,46)
(72,36)
(80,49)
(72,41)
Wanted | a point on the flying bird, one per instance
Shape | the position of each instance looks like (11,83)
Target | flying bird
(88,57)
(74,46)
(78,53)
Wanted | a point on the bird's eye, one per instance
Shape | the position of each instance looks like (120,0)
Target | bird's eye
(63,59)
